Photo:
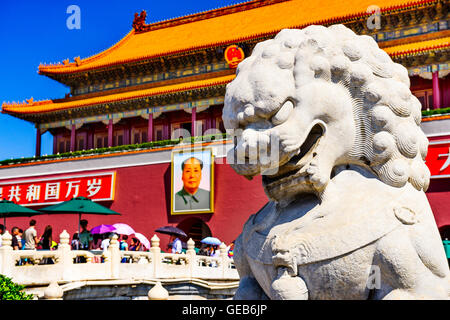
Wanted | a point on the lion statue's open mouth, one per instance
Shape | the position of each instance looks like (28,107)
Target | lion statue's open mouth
(292,169)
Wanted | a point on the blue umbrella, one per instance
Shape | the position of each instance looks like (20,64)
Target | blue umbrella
(211,241)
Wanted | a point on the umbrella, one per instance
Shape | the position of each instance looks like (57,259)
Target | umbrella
(103,228)
(212,241)
(122,228)
(80,205)
(171,231)
(11,209)
(142,239)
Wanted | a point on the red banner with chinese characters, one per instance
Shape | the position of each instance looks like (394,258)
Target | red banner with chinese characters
(438,159)
(47,191)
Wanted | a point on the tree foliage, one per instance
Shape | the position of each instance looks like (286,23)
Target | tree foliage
(12,291)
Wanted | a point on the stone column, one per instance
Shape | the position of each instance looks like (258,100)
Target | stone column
(115,258)
(191,256)
(158,292)
(73,136)
(224,258)
(38,141)
(53,292)
(110,133)
(6,261)
(193,120)
(436,91)
(65,261)
(150,127)
(156,251)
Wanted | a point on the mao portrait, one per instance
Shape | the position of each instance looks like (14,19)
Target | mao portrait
(192,181)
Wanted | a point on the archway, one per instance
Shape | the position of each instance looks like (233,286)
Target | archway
(445,232)
(196,229)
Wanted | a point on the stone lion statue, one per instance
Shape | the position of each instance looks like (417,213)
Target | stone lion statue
(348,217)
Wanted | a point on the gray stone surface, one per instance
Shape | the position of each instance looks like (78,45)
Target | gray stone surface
(347,217)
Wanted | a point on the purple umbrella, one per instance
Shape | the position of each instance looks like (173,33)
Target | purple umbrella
(103,228)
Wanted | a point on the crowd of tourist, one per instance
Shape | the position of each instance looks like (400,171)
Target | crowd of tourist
(29,239)
(85,240)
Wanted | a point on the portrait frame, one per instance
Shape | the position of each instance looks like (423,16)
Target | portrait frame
(206,155)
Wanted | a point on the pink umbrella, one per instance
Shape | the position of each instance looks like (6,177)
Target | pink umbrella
(122,228)
(142,239)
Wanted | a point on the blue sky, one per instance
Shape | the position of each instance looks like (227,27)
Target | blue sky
(32,32)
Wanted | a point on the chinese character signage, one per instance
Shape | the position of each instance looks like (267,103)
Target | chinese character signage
(438,159)
(46,191)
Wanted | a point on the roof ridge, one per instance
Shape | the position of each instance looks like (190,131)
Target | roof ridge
(208,14)
(161,25)
(26,103)
(78,61)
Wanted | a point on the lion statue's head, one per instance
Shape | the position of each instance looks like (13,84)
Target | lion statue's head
(329,98)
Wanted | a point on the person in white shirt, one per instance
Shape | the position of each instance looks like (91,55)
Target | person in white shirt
(31,236)
(105,243)
(176,246)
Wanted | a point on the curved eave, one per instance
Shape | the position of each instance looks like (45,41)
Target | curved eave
(435,118)
(283,10)
(416,48)
(26,109)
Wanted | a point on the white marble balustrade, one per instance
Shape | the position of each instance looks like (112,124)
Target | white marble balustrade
(110,265)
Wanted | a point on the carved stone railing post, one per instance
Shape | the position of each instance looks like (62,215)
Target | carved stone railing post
(53,291)
(224,258)
(156,253)
(190,252)
(65,258)
(114,254)
(158,292)
(6,261)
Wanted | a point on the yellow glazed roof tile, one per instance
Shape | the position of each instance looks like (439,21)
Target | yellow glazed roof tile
(215,29)
(415,47)
(31,106)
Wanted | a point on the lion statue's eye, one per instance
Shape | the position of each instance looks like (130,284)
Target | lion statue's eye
(283,113)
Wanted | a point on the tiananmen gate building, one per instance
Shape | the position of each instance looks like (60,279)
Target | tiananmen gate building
(114,134)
